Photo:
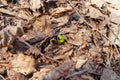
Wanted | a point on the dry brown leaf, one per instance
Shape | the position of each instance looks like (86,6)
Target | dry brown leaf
(23,64)
(35,4)
(64,56)
(4,2)
(87,77)
(33,50)
(113,2)
(61,20)
(60,10)
(40,75)
(98,3)
(43,26)
(7,35)
(115,15)
(80,62)
(81,76)
(114,8)
(24,3)
(29,35)
(109,75)
(81,37)
(114,34)
(22,13)
(15,14)
(59,71)
(94,13)
(12,75)
(72,29)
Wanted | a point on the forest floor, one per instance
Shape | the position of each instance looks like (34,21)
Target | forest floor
(59,39)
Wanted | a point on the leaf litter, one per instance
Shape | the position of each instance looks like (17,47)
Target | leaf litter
(28,40)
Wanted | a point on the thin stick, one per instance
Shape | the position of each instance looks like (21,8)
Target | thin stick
(76,73)
(2,77)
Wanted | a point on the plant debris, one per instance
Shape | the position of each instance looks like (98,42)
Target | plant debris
(59,40)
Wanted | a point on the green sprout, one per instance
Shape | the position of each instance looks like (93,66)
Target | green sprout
(60,39)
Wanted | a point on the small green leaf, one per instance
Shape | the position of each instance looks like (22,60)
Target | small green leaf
(60,39)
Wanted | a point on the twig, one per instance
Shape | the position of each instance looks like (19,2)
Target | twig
(2,77)
(74,8)
(76,73)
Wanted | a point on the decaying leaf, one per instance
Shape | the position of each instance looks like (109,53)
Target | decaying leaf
(114,34)
(80,62)
(35,4)
(115,14)
(81,37)
(40,75)
(23,64)
(24,4)
(24,14)
(43,26)
(29,30)
(73,29)
(61,20)
(12,75)
(113,2)
(56,73)
(60,10)
(109,75)
(7,35)
(94,13)
(98,3)
(4,2)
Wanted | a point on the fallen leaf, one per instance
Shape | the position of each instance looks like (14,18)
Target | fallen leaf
(4,2)
(72,29)
(98,3)
(80,62)
(79,38)
(56,73)
(35,4)
(109,75)
(94,13)
(60,10)
(23,64)
(40,74)
(61,20)
(114,34)
(43,26)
